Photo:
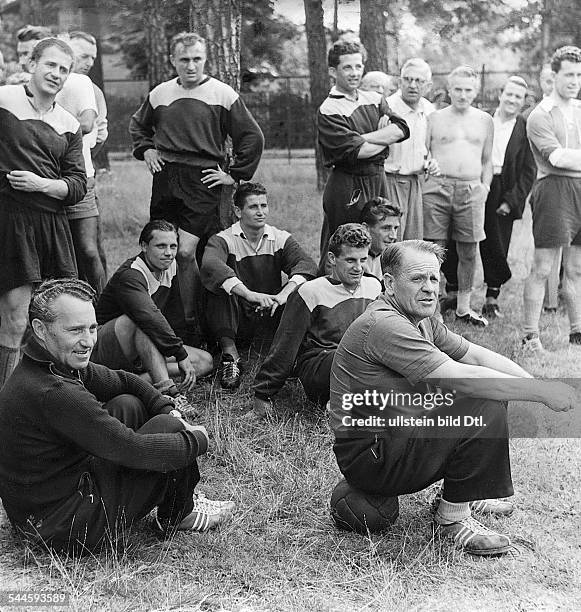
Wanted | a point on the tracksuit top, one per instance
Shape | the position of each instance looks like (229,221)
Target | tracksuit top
(230,259)
(190,126)
(340,123)
(315,318)
(47,144)
(134,291)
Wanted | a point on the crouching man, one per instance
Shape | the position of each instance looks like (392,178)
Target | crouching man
(86,451)
(385,444)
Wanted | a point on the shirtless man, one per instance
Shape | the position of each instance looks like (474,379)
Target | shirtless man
(459,137)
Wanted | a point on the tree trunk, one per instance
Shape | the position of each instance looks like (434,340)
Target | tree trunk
(318,71)
(220,22)
(156,40)
(373,34)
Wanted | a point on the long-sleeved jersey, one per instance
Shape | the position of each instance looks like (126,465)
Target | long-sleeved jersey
(190,126)
(314,320)
(48,144)
(229,259)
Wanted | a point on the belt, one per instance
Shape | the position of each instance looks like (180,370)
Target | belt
(403,176)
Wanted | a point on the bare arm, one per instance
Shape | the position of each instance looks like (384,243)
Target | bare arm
(487,168)
(23,180)
(87,120)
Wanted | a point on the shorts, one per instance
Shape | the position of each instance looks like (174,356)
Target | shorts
(179,196)
(108,352)
(556,203)
(37,245)
(454,208)
(87,207)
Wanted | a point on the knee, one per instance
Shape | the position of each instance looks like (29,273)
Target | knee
(14,318)
(204,363)
(540,271)
(128,409)
(187,253)
(87,250)
(573,270)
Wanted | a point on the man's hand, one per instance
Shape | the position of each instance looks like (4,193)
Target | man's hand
(560,396)
(503,210)
(214,178)
(432,167)
(263,301)
(384,121)
(23,180)
(187,369)
(190,427)
(153,160)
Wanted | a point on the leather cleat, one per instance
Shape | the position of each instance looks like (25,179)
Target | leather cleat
(474,538)
(492,311)
(575,338)
(495,507)
(472,318)
(231,372)
(532,344)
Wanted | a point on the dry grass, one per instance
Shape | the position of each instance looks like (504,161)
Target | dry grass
(281,552)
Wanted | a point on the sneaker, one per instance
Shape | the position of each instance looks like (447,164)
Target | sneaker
(575,338)
(550,309)
(472,318)
(532,344)
(206,514)
(492,311)
(231,373)
(448,303)
(474,538)
(182,404)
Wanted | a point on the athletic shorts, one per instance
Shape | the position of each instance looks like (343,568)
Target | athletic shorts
(107,350)
(556,204)
(454,208)
(36,245)
(87,207)
(178,195)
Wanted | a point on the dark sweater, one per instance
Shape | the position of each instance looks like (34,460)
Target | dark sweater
(229,255)
(52,421)
(134,291)
(51,147)
(190,126)
(314,320)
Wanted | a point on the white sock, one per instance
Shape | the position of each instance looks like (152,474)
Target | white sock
(463,302)
(451,512)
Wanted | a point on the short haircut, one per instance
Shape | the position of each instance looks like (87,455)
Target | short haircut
(344,47)
(247,189)
(377,209)
(159,225)
(352,235)
(392,256)
(417,62)
(78,34)
(187,39)
(516,80)
(376,76)
(30,32)
(43,298)
(47,43)
(463,71)
(568,53)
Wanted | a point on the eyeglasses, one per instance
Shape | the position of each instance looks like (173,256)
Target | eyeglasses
(412,80)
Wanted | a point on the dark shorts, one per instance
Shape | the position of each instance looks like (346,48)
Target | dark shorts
(87,207)
(108,352)
(178,195)
(454,208)
(37,245)
(556,204)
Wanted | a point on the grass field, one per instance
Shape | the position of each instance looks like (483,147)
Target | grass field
(281,551)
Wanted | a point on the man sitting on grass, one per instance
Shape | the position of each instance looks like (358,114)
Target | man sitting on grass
(382,219)
(241,269)
(315,319)
(131,314)
(386,444)
(86,451)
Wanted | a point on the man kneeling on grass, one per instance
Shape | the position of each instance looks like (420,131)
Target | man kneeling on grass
(242,270)
(315,319)
(134,331)
(395,433)
(86,451)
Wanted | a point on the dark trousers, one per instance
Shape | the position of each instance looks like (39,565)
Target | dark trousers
(345,196)
(110,497)
(493,250)
(233,317)
(315,376)
(474,465)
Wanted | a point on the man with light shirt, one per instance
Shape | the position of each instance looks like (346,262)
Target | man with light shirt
(405,162)
(554,131)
